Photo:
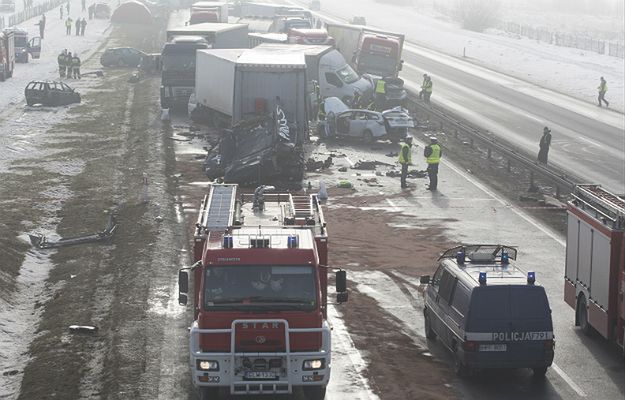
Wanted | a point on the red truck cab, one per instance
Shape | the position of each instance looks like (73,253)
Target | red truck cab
(309,36)
(379,55)
(260,298)
(199,17)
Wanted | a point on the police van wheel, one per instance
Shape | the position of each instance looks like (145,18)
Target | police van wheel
(539,372)
(429,332)
(582,315)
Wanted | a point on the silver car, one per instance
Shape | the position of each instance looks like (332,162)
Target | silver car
(369,125)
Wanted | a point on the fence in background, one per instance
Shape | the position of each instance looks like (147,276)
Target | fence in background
(34,11)
(613,49)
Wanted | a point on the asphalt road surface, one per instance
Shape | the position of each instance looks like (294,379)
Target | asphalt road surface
(588,141)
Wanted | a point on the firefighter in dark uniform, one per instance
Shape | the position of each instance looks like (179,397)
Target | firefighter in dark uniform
(61,61)
(76,66)
(405,159)
(432,154)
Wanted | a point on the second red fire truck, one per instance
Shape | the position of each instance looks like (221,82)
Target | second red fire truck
(594,282)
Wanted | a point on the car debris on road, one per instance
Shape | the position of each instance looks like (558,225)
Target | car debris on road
(41,242)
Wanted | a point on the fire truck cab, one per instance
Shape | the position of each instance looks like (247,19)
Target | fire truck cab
(260,294)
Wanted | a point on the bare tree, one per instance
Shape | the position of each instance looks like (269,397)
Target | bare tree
(477,15)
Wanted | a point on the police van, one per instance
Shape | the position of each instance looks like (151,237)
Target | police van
(487,311)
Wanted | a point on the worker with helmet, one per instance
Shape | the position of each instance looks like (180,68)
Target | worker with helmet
(433,155)
(405,159)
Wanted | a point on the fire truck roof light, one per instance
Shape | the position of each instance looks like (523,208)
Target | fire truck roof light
(531,277)
(482,278)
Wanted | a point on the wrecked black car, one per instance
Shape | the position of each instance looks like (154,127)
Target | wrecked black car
(50,93)
(258,151)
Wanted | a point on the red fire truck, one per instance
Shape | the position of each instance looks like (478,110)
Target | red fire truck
(7,54)
(594,282)
(260,294)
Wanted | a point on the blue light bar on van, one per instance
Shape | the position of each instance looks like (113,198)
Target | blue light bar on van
(482,278)
(531,278)
(460,257)
(505,258)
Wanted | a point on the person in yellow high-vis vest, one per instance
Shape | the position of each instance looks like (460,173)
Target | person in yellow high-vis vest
(405,159)
(380,94)
(433,154)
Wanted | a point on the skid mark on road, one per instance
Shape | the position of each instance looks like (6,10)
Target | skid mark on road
(399,301)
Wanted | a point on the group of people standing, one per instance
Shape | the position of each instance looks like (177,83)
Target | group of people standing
(69,65)
(80,24)
(432,154)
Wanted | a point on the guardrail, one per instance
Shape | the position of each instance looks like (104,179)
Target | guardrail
(562,181)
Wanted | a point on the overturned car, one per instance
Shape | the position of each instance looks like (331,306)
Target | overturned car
(258,151)
(369,125)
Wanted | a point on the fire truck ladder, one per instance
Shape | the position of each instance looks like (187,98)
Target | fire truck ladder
(302,207)
(218,211)
(607,205)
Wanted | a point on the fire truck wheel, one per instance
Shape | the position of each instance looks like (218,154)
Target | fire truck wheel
(582,315)
(314,392)
(429,332)
(209,393)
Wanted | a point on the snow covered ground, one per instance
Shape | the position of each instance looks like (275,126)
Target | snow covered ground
(570,71)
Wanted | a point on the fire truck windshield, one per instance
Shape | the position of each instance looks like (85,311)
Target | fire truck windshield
(252,286)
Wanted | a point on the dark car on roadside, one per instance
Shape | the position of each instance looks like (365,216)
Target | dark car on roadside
(122,57)
(50,93)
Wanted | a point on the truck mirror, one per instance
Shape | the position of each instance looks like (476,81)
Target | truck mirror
(341,297)
(341,281)
(425,279)
(183,282)
(182,299)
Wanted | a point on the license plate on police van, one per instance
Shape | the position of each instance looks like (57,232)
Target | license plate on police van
(258,375)
(493,347)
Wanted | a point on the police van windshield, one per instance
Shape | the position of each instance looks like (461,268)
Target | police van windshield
(506,303)
(252,287)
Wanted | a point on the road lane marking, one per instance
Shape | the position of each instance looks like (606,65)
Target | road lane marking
(358,362)
(590,141)
(501,201)
(393,205)
(568,380)
(349,161)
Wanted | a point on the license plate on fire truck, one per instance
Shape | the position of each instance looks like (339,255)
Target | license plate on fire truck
(493,347)
(259,375)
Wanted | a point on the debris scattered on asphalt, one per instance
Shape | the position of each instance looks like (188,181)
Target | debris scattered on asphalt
(83,329)
(343,184)
(342,169)
(315,165)
(369,165)
(158,218)
(392,154)
(41,242)
(11,372)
